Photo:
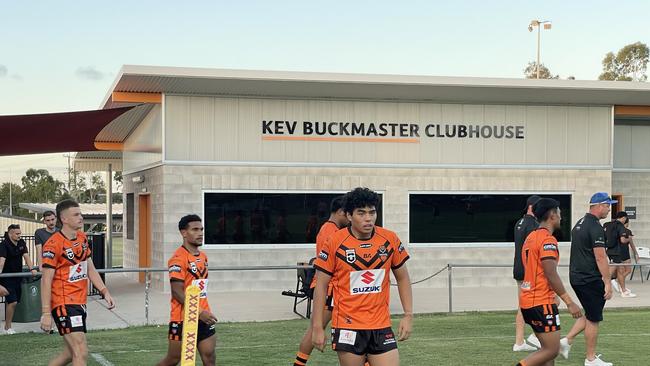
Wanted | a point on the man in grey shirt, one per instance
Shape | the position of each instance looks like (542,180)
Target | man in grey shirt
(43,234)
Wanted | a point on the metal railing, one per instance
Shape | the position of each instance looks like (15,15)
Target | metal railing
(449,268)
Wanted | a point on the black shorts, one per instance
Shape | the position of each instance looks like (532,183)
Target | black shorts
(70,318)
(542,318)
(176,331)
(592,298)
(625,253)
(15,290)
(362,342)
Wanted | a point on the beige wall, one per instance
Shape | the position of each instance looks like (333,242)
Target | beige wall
(177,190)
(635,188)
(631,147)
(230,129)
(144,146)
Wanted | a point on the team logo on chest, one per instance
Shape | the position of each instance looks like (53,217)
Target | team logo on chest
(350,256)
(383,253)
(69,253)
(193,267)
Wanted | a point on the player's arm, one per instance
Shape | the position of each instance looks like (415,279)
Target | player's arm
(623,238)
(320,294)
(2,263)
(603,267)
(406,297)
(46,297)
(96,280)
(39,251)
(549,265)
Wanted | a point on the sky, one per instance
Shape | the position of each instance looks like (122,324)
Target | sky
(63,56)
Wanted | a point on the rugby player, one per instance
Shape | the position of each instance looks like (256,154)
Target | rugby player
(336,221)
(541,284)
(189,266)
(358,259)
(67,266)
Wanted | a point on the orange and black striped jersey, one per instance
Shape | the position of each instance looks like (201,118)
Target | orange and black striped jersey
(360,271)
(69,259)
(190,269)
(535,288)
(326,230)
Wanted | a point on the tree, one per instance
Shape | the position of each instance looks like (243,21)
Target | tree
(119,181)
(40,186)
(629,64)
(16,197)
(544,73)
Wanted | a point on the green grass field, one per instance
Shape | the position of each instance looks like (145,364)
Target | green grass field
(438,339)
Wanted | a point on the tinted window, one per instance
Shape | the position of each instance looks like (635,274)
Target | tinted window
(266,218)
(473,218)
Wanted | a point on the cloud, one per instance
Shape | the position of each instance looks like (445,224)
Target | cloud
(90,73)
(3,71)
(17,77)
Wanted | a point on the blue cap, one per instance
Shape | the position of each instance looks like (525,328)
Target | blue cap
(601,197)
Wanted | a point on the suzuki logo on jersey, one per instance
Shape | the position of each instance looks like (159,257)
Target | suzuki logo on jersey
(350,256)
(78,272)
(202,284)
(366,282)
(368,277)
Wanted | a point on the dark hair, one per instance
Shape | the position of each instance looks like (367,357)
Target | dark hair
(48,213)
(621,214)
(64,205)
(185,221)
(359,198)
(337,203)
(13,227)
(543,208)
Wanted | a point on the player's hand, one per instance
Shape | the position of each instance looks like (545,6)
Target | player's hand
(608,290)
(636,258)
(405,327)
(46,322)
(109,300)
(574,309)
(318,338)
(207,317)
(34,273)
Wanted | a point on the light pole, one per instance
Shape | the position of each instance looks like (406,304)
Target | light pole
(538,24)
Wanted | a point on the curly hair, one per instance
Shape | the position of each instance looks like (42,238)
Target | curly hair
(360,197)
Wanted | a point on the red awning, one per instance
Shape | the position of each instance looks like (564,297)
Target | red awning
(54,132)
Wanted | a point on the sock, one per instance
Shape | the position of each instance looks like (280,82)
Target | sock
(301,359)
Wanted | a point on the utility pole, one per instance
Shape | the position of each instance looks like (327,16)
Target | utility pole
(538,24)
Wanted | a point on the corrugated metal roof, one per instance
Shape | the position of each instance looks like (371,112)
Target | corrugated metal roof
(281,84)
(119,129)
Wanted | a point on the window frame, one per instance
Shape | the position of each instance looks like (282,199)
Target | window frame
(477,244)
(271,191)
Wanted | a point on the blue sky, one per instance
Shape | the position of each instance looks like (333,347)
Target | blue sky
(63,56)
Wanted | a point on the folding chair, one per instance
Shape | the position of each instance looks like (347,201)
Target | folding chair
(644,259)
(303,293)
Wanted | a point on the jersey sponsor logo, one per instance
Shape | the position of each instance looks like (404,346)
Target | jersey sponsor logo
(400,248)
(347,336)
(69,253)
(365,246)
(550,247)
(175,268)
(202,284)
(323,255)
(367,281)
(525,285)
(75,245)
(78,272)
(48,254)
(76,321)
(350,255)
